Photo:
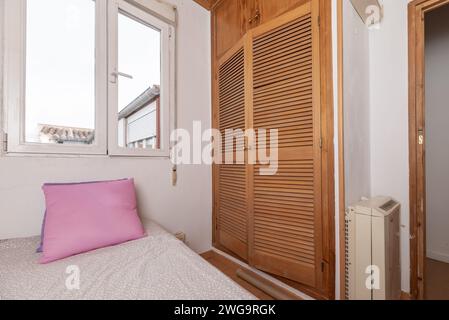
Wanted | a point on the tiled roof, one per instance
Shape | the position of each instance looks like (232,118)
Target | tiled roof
(59,134)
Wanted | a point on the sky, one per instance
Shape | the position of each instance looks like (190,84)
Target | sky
(60,63)
(139,56)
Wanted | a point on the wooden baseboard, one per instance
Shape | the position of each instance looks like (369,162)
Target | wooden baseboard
(266,286)
(248,278)
(303,295)
(297,286)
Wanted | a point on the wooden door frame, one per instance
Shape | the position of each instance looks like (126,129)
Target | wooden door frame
(416,13)
(328,165)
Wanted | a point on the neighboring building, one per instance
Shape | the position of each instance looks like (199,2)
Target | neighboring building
(139,122)
(65,135)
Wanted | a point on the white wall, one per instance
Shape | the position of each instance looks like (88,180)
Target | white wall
(356,106)
(186,207)
(376,96)
(389,116)
(437,139)
(356,115)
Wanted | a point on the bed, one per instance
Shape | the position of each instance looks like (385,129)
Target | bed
(158,267)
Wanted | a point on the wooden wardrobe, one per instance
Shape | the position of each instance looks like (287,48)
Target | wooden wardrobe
(272,70)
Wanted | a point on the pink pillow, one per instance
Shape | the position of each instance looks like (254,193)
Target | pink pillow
(84,217)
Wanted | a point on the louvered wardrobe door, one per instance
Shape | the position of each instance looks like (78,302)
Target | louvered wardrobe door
(286,229)
(231,196)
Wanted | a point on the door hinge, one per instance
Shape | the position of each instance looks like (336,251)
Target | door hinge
(5,142)
(321,143)
(323,266)
(319,21)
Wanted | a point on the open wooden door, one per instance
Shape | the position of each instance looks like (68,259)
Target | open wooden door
(231,204)
(285,224)
(417,11)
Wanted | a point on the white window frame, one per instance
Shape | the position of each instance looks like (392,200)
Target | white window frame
(167,78)
(158,15)
(15,18)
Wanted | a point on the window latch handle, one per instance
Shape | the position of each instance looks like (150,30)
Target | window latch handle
(120,74)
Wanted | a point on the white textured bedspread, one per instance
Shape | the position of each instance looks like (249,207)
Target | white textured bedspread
(156,267)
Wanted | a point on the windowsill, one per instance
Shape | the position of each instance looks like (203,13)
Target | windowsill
(86,156)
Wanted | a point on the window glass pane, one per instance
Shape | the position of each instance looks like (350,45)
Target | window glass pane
(60,72)
(139,63)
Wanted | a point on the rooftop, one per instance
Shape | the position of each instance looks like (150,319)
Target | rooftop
(147,97)
(60,134)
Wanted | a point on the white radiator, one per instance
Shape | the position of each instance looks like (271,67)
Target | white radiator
(373,270)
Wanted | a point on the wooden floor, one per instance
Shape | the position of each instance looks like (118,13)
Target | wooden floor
(230,268)
(437,280)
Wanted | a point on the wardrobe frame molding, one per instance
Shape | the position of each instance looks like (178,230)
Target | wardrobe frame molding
(327,134)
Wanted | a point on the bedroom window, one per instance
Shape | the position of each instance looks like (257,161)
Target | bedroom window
(141,48)
(60,73)
(92,77)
